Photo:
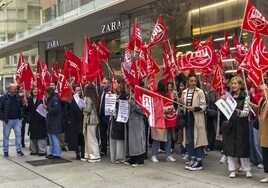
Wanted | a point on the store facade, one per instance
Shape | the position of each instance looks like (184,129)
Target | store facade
(184,20)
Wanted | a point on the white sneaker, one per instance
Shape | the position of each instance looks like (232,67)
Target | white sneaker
(248,174)
(265,180)
(170,158)
(137,165)
(84,159)
(232,175)
(154,159)
(260,166)
(223,159)
(94,160)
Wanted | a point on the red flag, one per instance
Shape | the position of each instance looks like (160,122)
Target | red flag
(94,65)
(142,64)
(85,56)
(20,73)
(159,33)
(225,47)
(252,61)
(135,42)
(217,84)
(151,65)
(103,52)
(240,50)
(203,58)
(29,82)
(153,103)
(196,43)
(54,74)
(170,116)
(39,80)
(130,70)
(166,65)
(259,48)
(254,20)
(72,66)
(152,84)
(64,88)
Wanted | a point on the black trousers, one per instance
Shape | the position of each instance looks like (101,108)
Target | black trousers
(138,159)
(265,159)
(104,124)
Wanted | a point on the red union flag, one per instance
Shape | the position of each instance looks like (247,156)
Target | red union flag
(217,84)
(29,81)
(254,20)
(153,105)
(72,66)
(258,48)
(203,58)
(54,74)
(64,88)
(135,42)
(159,33)
(170,116)
(20,73)
(240,50)
(196,43)
(225,47)
(103,52)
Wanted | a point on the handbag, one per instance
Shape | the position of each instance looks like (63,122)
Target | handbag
(226,126)
(212,112)
(255,124)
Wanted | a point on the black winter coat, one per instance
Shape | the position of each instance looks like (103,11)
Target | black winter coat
(76,125)
(37,123)
(4,107)
(53,118)
(236,142)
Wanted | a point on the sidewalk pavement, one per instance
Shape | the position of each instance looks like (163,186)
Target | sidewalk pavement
(15,172)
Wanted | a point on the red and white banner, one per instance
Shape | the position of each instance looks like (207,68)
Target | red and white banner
(225,47)
(54,74)
(103,52)
(64,88)
(20,73)
(170,115)
(159,33)
(254,20)
(240,50)
(217,84)
(152,103)
(204,57)
(135,42)
(29,81)
(252,62)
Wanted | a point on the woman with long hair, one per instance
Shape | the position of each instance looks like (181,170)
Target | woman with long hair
(90,123)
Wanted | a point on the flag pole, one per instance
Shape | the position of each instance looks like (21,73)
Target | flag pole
(173,60)
(160,96)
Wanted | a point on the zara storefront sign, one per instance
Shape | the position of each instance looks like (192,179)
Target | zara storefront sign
(109,27)
(53,44)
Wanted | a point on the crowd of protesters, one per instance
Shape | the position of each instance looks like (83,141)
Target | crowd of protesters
(82,126)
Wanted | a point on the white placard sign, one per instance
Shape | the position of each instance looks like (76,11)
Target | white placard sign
(123,111)
(41,110)
(80,102)
(110,100)
(227,107)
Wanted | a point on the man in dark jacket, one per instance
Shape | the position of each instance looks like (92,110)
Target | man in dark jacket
(11,113)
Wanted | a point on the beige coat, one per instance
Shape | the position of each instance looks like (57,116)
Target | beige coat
(200,134)
(263,124)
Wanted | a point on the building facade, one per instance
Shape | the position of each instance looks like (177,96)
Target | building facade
(44,28)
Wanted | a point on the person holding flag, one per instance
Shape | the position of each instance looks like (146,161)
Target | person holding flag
(165,134)
(195,105)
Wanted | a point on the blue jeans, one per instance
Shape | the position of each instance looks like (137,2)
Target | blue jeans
(193,153)
(156,144)
(14,124)
(255,148)
(54,145)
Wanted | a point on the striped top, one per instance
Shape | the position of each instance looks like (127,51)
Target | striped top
(189,97)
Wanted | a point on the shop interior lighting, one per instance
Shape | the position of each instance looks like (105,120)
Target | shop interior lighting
(215,5)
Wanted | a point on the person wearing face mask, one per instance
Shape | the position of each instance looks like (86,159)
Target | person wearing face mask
(195,105)
(236,141)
